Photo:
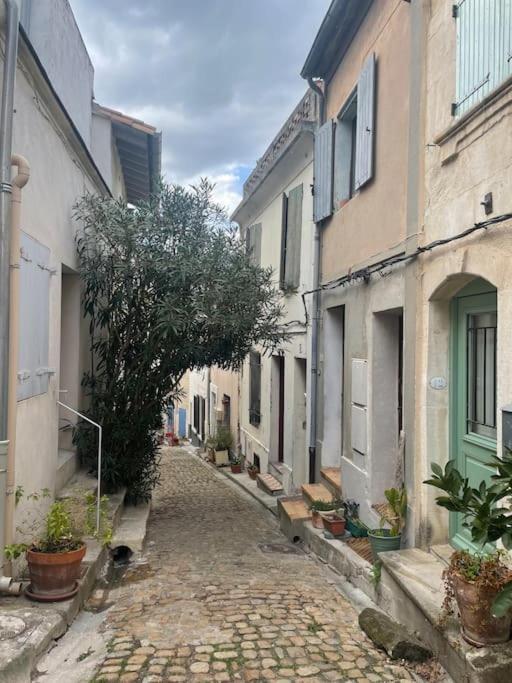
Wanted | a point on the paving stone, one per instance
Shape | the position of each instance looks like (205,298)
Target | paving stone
(199,667)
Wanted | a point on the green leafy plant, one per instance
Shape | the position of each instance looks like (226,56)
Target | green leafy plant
(376,574)
(222,440)
(396,514)
(485,515)
(323,506)
(167,287)
(235,459)
(104,533)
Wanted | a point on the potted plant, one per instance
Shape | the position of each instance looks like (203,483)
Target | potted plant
(479,581)
(334,523)
(219,445)
(236,464)
(253,470)
(355,526)
(55,556)
(385,539)
(321,508)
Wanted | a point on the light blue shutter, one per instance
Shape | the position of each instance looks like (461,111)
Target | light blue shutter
(365,131)
(293,237)
(323,171)
(256,243)
(33,370)
(484,49)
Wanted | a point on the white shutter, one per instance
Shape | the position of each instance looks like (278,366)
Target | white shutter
(365,123)
(323,171)
(34,312)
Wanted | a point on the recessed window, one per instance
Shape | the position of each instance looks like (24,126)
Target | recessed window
(345,153)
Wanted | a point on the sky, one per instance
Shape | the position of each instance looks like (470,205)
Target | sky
(217,77)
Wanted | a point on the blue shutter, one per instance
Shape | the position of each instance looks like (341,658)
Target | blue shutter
(365,123)
(484,49)
(323,171)
(33,370)
(293,237)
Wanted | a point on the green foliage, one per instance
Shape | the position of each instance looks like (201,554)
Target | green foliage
(483,510)
(104,533)
(376,573)
(323,506)
(222,440)
(167,287)
(397,504)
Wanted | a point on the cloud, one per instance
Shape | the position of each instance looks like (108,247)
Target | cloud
(218,77)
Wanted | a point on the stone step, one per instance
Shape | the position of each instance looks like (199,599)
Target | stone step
(415,580)
(269,484)
(68,464)
(313,492)
(292,513)
(332,477)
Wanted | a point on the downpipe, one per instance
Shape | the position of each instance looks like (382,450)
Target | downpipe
(9,586)
(314,357)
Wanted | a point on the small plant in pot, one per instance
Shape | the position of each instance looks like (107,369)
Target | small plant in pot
(335,523)
(219,445)
(320,509)
(253,470)
(355,526)
(236,464)
(389,538)
(479,582)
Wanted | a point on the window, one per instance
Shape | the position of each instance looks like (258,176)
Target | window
(481,368)
(484,49)
(253,242)
(254,388)
(226,405)
(35,273)
(344,156)
(291,235)
(345,153)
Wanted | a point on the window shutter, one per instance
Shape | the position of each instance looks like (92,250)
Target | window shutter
(484,42)
(33,370)
(253,242)
(294,235)
(284,224)
(323,171)
(365,123)
(254,388)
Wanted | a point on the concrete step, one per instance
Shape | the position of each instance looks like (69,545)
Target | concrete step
(313,492)
(332,478)
(414,578)
(269,484)
(68,464)
(292,513)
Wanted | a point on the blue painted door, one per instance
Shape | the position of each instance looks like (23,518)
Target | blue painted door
(182,422)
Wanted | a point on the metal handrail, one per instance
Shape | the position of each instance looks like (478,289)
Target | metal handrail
(100,432)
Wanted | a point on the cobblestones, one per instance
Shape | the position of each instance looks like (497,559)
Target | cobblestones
(209,605)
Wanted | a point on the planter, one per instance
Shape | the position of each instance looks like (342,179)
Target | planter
(221,458)
(317,519)
(356,530)
(54,576)
(334,525)
(236,469)
(253,473)
(479,627)
(383,542)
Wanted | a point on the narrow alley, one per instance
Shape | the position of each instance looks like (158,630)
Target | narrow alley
(219,599)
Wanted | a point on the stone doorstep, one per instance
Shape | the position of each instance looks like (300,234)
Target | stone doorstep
(413,577)
(313,492)
(45,622)
(332,477)
(251,487)
(269,484)
(131,530)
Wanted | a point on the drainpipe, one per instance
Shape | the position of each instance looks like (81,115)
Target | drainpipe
(19,181)
(315,320)
(6,123)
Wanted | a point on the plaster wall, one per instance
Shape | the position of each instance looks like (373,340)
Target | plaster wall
(464,161)
(373,222)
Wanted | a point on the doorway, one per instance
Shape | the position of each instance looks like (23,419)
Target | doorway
(473,397)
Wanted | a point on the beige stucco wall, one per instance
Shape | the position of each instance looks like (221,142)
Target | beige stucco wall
(373,221)
(461,166)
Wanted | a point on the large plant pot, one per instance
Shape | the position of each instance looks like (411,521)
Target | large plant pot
(479,627)
(317,520)
(383,542)
(334,525)
(54,576)
(252,473)
(236,469)
(221,458)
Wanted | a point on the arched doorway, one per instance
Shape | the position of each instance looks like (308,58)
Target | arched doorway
(473,410)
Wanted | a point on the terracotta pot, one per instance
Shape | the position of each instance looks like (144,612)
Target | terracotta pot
(53,576)
(236,469)
(252,473)
(334,525)
(479,627)
(317,519)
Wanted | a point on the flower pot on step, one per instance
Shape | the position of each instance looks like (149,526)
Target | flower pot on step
(236,469)
(382,541)
(54,576)
(252,472)
(317,519)
(334,525)
(479,627)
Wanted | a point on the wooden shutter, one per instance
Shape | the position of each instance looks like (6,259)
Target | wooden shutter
(254,388)
(284,223)
(365,123)
(253,242)
(484,47)
(323,171)
(293,237)
(33,370)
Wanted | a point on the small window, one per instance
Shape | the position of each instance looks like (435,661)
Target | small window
(291,238)
(255,388)
(345,153)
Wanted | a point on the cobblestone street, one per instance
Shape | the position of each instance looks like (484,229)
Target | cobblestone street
(212,604)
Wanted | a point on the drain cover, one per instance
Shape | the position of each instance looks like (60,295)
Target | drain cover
(10,627)
(279,548)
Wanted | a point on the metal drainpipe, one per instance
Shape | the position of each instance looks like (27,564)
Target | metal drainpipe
(6,124)
(315,321)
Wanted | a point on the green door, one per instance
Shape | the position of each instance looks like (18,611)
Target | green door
(474,390)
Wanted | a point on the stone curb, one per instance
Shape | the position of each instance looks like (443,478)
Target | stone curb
(45,622)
